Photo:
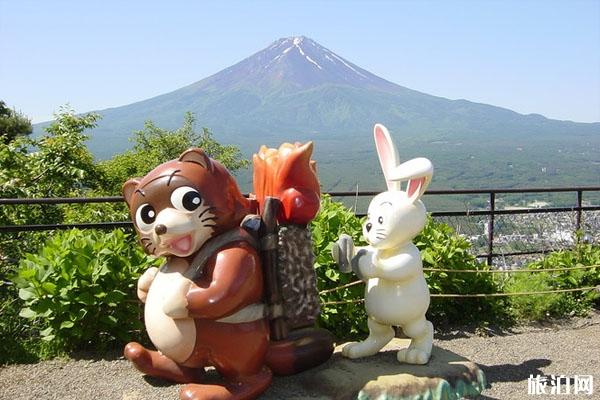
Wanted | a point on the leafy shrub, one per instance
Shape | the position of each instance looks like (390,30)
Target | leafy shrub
(60,166)
(343,320)
(95,212)
(442,248)
(539,307)
(12,349)
(79,290)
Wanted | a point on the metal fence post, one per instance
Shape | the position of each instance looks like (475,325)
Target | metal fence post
(490,254)
(579,203)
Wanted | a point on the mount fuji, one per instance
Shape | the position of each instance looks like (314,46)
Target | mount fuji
(296,89)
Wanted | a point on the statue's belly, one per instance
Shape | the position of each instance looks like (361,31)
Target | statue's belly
(396,304)
(175,338)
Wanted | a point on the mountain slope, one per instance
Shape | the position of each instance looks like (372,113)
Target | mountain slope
(296,89)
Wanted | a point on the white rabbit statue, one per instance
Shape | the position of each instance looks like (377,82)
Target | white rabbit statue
(396,293)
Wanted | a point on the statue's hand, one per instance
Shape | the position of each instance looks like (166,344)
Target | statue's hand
(144,283)
(342,252)
(175,305)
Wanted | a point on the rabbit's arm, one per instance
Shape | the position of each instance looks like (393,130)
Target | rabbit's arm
(398,267)
(362,263)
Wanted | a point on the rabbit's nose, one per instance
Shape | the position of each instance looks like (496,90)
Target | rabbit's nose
(368,226)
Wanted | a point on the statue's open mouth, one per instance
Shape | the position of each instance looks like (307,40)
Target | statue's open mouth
(181,244)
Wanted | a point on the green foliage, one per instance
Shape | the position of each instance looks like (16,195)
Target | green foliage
(95,212)
(343,320)
(63,163)
(539,307)
(154,145)
(79,290)
(17,344)
(12,124)
(442,248)
(60,165)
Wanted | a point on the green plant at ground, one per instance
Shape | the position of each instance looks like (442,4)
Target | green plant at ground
(555,305)
(17,344)
(442,248)
(344,320)
(79,290)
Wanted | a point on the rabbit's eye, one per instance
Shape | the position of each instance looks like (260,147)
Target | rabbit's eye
(380,220)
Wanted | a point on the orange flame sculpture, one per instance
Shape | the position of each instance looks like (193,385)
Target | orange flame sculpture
(289,174)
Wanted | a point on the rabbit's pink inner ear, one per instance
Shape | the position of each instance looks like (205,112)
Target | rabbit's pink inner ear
(414,188)
(384,151)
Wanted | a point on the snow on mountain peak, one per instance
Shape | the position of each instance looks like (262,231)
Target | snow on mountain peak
(298,62)
(319,57)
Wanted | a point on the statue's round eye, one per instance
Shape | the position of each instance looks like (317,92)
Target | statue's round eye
(380,220)
(145,217)
(185,198)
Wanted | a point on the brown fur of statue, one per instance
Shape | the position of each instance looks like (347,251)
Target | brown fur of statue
(205,306)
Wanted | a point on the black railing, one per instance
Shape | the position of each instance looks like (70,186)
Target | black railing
(490,211)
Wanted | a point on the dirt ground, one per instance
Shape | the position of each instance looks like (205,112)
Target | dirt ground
(508,359)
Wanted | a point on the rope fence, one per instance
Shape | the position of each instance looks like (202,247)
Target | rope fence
(480,295)
(475,295)
(510,271)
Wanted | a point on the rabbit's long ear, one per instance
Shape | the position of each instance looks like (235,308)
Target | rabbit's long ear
(388,155)
(418,172)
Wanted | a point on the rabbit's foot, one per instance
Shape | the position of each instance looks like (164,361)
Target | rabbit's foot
(419,350)
(413,356)
(379,336)
(361,349)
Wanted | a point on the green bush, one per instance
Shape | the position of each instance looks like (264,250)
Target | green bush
(16,344)
(79,290)
(539,307)
(343,320)
(442,248)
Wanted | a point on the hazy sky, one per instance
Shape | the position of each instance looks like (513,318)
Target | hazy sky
(530,56)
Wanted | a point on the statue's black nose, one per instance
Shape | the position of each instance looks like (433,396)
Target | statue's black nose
(160,229)
(368,226)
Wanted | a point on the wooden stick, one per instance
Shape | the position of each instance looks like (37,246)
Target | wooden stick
(270,239)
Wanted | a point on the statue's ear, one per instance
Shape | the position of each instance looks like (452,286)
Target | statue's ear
(197,156)
(129,188)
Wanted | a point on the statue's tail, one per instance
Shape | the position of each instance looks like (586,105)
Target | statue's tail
(302,349)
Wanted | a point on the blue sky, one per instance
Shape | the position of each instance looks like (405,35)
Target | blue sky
(530,56)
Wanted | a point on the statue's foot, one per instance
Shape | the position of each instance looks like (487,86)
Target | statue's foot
(413,356)
(379,336)
(420,347)
(155,364)
(243,388)
(361,349)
